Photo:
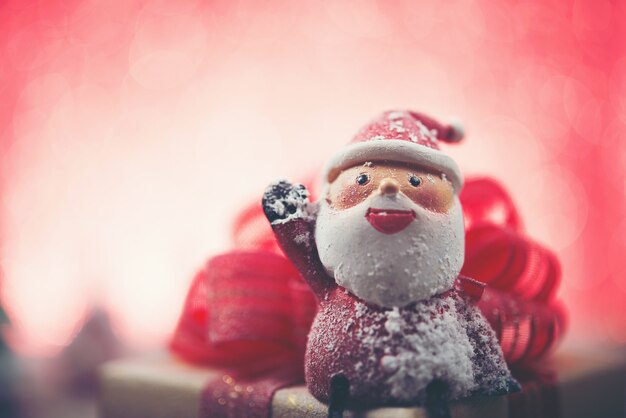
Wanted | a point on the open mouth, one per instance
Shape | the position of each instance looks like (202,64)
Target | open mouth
(389,221)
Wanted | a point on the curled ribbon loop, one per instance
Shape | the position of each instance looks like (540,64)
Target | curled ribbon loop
(245,306)
(522,277)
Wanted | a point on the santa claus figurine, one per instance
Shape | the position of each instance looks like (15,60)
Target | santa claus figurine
(382,249)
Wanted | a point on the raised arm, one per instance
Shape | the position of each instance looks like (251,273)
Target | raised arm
(287,208)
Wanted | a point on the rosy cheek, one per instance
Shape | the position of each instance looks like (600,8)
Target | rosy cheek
(350,195)
(435,198)
(428,199)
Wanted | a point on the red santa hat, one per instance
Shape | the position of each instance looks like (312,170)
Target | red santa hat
(401,136)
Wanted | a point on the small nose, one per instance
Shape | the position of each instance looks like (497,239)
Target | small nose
(389,186)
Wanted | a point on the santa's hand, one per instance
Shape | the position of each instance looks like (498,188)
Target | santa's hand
(283,201)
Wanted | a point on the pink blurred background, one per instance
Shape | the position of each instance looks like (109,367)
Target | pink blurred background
(131,132)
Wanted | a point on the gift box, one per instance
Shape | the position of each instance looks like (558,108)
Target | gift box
(567,385)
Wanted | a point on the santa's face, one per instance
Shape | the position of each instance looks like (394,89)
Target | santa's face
(390,233)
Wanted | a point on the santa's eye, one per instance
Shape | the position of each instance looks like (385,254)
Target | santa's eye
(414,180)
(362,179)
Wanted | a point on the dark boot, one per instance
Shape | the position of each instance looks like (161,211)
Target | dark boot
(437,400)
(339,392)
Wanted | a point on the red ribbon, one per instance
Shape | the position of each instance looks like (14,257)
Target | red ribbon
(522,277)
(249,311)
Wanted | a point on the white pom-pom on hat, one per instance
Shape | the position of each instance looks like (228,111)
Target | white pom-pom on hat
(455,131)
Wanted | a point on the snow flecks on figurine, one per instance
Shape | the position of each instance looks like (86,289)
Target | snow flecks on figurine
(382,251)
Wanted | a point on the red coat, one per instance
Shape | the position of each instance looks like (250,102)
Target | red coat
(389,356)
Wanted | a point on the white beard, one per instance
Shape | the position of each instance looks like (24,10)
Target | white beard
(422,260)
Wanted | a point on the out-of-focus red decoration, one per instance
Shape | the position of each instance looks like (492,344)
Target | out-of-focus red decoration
(248,311)
(245,306)
(521,276)
(251,311)
(485,201)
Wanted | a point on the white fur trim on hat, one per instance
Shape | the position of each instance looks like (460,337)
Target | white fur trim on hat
(397,151)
